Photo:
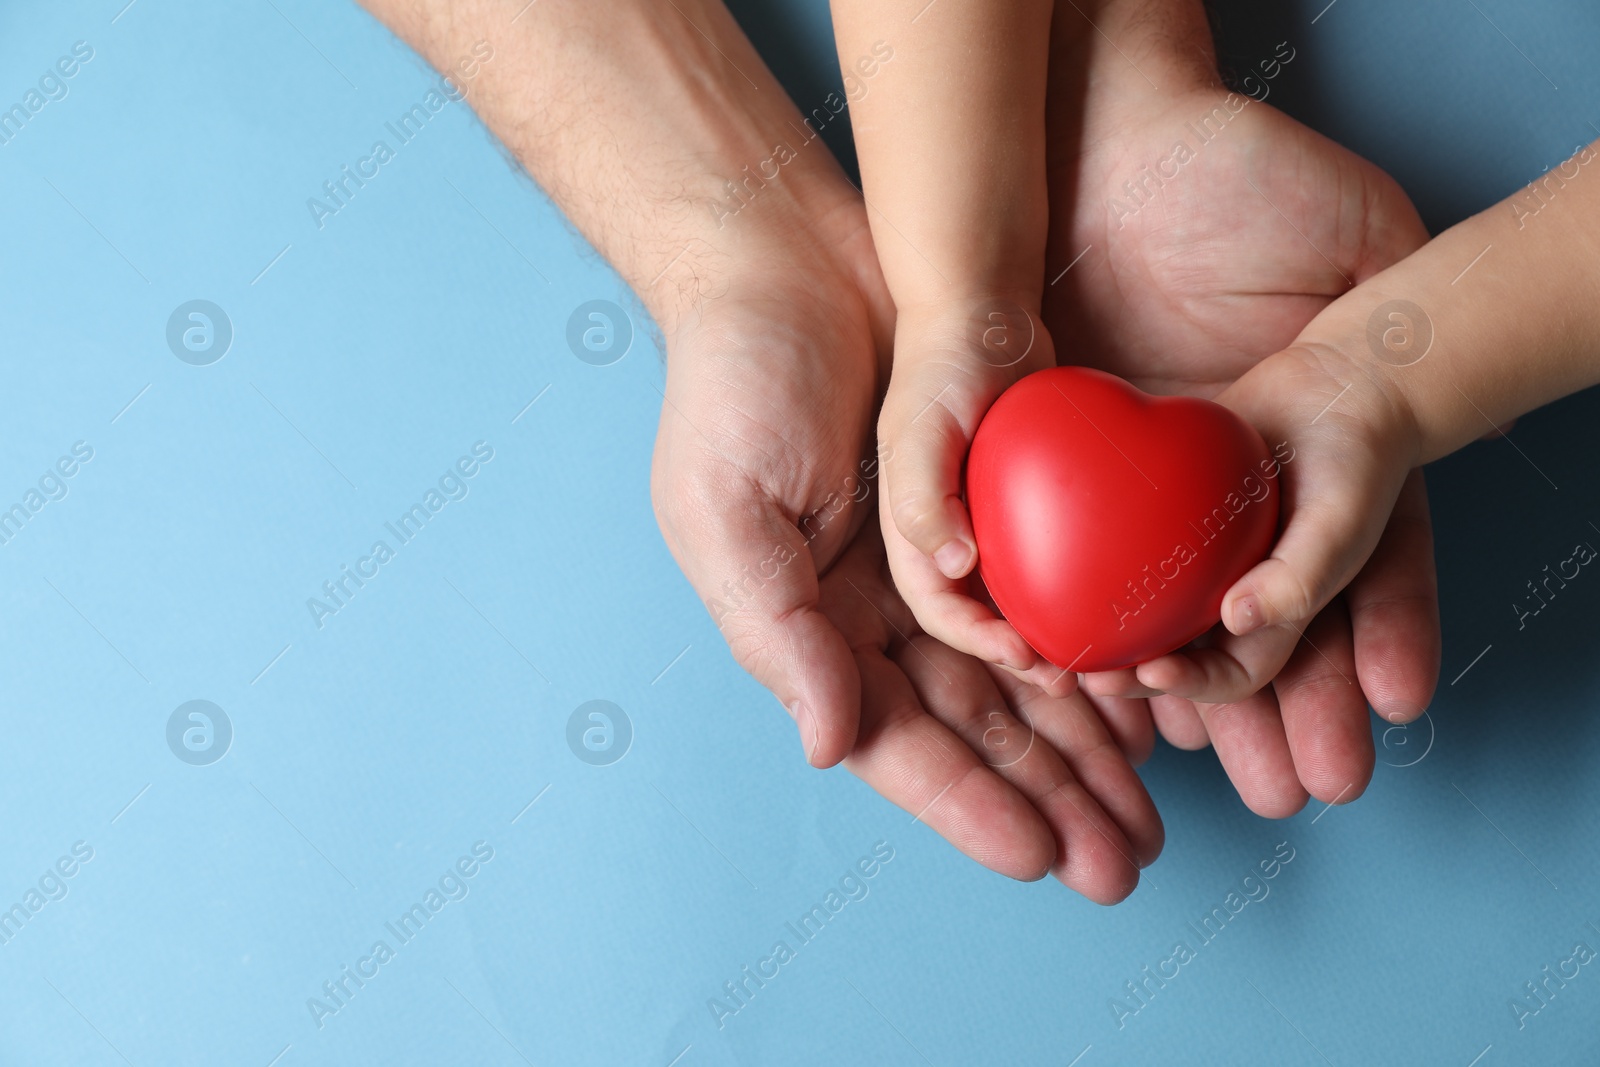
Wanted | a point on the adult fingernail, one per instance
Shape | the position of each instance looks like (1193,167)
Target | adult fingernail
(1246,616)
(954,559)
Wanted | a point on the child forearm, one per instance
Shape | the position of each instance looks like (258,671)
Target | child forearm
(1497,316)
(950,136)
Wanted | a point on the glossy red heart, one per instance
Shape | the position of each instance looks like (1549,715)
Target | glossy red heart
(1110,522)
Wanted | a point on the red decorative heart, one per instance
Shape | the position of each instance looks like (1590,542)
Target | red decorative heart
(1110,522)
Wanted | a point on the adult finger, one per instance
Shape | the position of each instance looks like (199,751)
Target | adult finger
(1394,611)
(755,573)
(1250,742)
(1092,855)
(1178,720)
(1129,722)
(916,762)
(1324,713)
(1072,727)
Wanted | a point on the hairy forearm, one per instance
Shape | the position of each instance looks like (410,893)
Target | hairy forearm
(634,116)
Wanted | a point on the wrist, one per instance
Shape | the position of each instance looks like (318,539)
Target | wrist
(728,230)
(1487,322)
(1357,384)
(996,330)
(970,256)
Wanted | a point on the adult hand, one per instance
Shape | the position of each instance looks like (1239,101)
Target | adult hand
(764,456)
(777,322)
(1211,229)
(762,481)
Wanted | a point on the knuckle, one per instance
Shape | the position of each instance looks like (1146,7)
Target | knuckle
(1298,598)
(752,646)
(917,422)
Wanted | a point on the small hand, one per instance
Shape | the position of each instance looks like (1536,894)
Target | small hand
(950,365)
(1354,443)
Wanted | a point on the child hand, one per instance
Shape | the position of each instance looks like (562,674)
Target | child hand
(950,366)
(951,139)
(1405,368)
(1352,444)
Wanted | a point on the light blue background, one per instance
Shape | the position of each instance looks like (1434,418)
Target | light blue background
(427,714)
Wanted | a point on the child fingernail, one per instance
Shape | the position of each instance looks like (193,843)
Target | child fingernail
(953,559)
(1246,616)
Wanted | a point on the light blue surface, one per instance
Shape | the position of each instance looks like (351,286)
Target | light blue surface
(370,754)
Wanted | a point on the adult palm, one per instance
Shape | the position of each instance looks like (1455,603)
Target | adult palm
(762,479)
(1212,228)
